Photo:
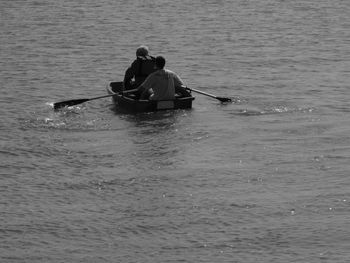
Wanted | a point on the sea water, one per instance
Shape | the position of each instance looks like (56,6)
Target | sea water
(262,179)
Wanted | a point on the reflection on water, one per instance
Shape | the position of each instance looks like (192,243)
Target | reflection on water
(157,138)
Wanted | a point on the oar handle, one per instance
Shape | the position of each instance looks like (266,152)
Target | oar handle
(62,104)
(104,96)
(202,92)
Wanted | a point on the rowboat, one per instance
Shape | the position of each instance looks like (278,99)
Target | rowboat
(129,104)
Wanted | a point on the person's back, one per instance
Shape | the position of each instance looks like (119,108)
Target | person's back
(163,83)
(144,66)
(140,69)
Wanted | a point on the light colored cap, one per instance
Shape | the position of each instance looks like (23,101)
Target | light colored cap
(142,51)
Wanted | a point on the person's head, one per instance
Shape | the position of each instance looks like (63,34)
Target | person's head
(142,51)
(160,62)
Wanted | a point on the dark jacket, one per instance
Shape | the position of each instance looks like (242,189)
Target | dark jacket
(139,70)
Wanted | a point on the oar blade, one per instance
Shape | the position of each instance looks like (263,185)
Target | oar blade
(224,99)
(68,103)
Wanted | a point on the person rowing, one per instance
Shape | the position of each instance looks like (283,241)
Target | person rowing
(161,84)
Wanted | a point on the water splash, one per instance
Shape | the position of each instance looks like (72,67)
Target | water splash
(69,118)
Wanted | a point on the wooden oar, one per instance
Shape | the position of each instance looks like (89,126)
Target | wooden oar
(222,99)
(65,103)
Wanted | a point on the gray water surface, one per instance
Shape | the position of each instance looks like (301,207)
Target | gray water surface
(262,179)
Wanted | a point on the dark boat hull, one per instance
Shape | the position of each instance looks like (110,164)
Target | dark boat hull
(131,105)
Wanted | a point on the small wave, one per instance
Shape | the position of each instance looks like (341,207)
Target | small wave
(100,184)
(49,104)
(246,112)
(273,110)
(74,118)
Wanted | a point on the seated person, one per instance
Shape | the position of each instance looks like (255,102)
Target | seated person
(161,84)
(140,68)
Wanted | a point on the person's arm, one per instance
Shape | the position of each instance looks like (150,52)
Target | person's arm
(130,90)
(128,75)
(131,72)
(180,86)
(178,81)
(145,86)
(148,83)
